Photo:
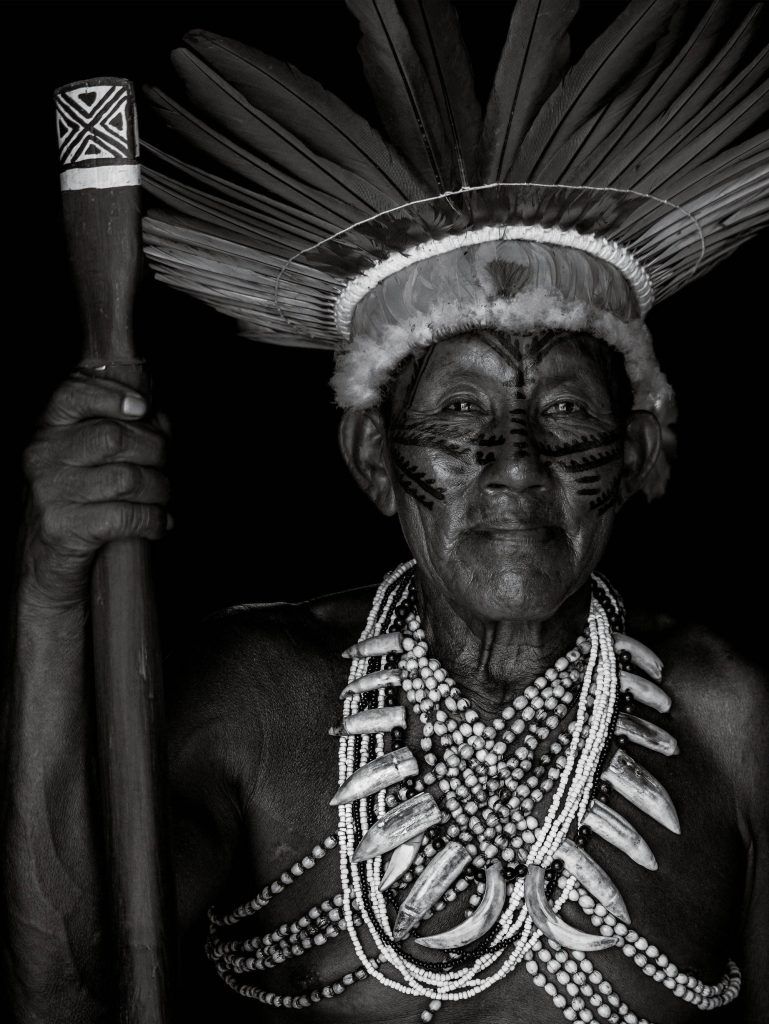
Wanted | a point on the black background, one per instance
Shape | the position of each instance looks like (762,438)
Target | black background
(264,507)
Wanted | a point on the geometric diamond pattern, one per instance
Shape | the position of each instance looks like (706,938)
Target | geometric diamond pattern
(94,123)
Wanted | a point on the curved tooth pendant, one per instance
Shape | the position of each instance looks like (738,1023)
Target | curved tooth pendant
(646,734)
(445,867)
(641,789)
(593,878)
(400,861)
(645,691)
(375,646)
(640,655)
(483,918)
(371,720)
(618,831)
(378,774)
(404,822)
(373,681)
(550,924)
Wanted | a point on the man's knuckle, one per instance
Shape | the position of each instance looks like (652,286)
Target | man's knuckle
(124,478)
(33,460)
(50,525)
(107,437)
(39,491)
(122,518)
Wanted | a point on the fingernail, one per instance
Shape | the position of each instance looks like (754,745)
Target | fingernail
(134,406)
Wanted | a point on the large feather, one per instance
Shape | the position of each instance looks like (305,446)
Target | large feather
(719,208)
(591,83)
(218,213)
(228,153)
(666,128)
(221,103)
(323,122)
(533,59)
(294,219)
(436,37)
(701,146)
(721,172)
(599,167)
(403,94)
(725,108)
(747,156)
(592,138)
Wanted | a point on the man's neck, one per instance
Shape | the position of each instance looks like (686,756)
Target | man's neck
(492,662)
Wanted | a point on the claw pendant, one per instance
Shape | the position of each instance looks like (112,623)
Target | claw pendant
(371,720)
(400,861)
(483,918)
(645,691)
(445,867)
(618,831)
(641,789)
(378,774)
(646,734)
(550,924)
(640,655)
(375,646)
(592,877)
(397,826)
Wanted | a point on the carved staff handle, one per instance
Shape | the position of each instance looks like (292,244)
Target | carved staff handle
(96,125)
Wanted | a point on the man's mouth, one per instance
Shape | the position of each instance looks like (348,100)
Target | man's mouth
(514,530)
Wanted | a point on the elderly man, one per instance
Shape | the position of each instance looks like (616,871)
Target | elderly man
(477,782)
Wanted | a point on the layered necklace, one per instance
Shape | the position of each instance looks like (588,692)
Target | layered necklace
(497,816)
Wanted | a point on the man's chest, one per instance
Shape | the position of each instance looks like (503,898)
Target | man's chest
(686,912)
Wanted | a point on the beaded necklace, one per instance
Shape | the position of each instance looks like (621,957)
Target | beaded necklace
(480,831)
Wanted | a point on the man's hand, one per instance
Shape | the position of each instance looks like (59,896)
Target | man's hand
(95,470)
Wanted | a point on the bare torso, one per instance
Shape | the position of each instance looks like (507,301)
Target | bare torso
(254,769)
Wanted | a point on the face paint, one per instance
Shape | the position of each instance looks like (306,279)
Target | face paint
(507,452)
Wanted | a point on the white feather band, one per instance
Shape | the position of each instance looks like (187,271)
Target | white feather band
(603,248)
(364,367)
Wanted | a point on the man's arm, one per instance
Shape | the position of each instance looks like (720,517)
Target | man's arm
(53,890)
(730,709)
(94,476)
(752,790)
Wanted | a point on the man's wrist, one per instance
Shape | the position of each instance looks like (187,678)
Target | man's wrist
(59,608)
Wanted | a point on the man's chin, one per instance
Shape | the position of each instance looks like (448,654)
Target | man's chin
(505,582)
(524,554)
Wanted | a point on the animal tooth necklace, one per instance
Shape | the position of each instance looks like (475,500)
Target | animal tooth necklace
(478,817)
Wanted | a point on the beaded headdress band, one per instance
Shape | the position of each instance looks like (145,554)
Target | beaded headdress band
(584,194)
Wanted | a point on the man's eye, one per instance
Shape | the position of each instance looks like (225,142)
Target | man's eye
(564,407)
(462,405)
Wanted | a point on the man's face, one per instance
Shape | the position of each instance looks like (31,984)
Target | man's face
(506,455)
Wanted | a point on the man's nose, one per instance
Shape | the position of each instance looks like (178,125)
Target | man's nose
(517,463)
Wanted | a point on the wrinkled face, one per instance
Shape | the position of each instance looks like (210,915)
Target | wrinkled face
(506,457)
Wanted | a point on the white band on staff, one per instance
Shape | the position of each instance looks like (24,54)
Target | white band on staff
(107,176)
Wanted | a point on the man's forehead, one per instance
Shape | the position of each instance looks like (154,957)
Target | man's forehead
(501,353)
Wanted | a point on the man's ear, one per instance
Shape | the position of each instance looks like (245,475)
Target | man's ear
(362,440)
(643,439)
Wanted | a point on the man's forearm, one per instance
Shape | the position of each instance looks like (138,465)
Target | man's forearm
(53,893)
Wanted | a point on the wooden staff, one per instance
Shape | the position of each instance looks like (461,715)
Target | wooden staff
(96,124)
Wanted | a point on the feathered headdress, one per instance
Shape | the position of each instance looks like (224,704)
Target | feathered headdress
(583,195)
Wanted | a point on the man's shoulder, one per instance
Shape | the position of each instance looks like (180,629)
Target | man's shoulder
(297,628)
(265,646)
(703,667)
(720,697)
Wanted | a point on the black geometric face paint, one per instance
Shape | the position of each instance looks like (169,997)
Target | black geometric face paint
(407,432)
(594,460)
(596,451)
(416,483)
